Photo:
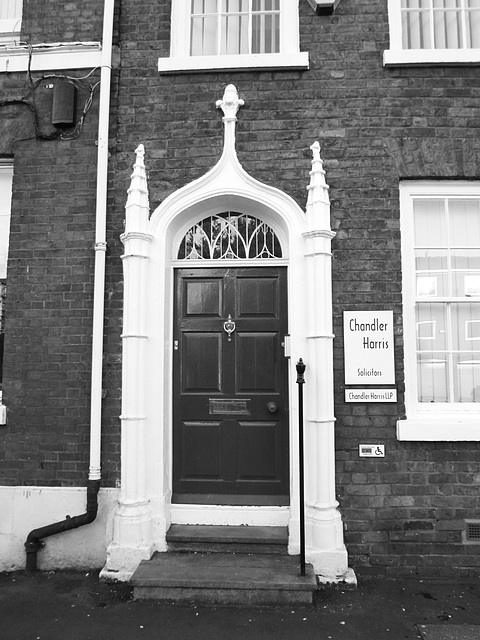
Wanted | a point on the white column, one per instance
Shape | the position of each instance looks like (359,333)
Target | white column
(133,536)
(325,548)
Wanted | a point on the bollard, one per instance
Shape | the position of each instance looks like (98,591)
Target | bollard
(301,381)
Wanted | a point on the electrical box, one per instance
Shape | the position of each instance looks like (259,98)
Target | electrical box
(64,109)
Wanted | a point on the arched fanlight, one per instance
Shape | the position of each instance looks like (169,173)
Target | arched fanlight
(229,236)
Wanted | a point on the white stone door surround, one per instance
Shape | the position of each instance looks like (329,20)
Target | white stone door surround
(144,510)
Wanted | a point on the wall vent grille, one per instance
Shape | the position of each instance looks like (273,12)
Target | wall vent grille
(472,531)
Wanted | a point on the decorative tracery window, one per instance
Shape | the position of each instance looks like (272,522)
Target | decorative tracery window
(230,236)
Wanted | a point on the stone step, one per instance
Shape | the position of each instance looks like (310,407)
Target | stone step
(227,539)
(221,578)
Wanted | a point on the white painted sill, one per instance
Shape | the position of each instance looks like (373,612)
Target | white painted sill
(418,57)
(440,428)
(241,62)
(55,56)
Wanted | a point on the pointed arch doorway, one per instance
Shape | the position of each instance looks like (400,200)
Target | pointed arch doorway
(230,423)
(151,260)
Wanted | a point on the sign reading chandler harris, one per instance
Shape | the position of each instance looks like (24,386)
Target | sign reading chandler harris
(368,343)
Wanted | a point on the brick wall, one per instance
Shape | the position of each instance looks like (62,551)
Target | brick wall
(47,21)
(48,311)
(376,126)
(47,363)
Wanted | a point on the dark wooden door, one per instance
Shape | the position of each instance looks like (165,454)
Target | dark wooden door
(230,438)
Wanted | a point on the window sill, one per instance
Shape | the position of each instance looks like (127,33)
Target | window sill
(46,57)
(440,428)
(452,57)
(264,61)
(9,38)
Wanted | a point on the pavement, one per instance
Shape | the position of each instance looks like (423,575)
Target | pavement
(76,605)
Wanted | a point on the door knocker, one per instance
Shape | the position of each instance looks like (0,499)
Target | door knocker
(229,327)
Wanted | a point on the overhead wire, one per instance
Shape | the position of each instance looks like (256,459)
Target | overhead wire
(28,99)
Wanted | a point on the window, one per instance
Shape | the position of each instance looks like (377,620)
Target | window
(6,175)
(233,34)
(434,31)
(230,236)
(231,27)
(440,225)
(10,20)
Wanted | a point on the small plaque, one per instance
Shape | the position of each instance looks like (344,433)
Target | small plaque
(370,395)
(371,450)
(222,406)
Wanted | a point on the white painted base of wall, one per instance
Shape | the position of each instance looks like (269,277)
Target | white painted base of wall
(122,561)
(331,565)
(23,509)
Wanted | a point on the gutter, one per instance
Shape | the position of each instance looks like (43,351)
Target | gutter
(34,540)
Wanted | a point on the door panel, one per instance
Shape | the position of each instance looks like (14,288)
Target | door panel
(258,451)
(257,297)
(257,362)
(203,297)
(229,448)
(201,450)
(202,357)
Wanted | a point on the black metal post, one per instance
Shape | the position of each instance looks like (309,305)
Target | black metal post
(301,381)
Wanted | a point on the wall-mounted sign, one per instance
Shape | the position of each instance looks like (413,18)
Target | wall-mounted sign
(370,395)
(368,343)
(371,450)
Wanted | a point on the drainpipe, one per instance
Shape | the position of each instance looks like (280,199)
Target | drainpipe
(34,540)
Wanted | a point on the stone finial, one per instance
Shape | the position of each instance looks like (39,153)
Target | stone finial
(140,153)
(318,188)
(315,148)
(230,102)
(137,207)
(318,202)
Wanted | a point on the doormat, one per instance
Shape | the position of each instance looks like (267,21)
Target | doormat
(448,631)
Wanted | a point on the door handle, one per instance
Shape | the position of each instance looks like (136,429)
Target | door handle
(272,407)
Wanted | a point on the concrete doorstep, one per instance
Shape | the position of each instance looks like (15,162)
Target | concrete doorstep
(220,578)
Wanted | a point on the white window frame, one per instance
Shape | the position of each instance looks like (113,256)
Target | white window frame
(397,55)
(6,170)
(428,421)
(180,59)
(10,28)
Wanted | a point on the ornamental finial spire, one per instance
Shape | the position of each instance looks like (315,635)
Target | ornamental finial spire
(318,202)
(318,188)
(230,103)
(137,207)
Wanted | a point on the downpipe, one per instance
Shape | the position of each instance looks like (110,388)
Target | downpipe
(34,540)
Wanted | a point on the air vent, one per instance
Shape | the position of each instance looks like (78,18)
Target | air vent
(472,532)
